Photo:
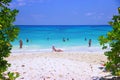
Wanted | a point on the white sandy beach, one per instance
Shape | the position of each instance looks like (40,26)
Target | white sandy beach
(57,66)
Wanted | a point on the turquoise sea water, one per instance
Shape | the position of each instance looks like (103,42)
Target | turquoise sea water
(67,37)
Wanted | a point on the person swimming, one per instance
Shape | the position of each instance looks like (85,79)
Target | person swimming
(27,40)
(67,39)
(64,40)
(85,39)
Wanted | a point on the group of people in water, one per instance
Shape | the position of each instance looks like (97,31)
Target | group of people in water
(59,50)
(65,39)
(53,47)
(21,42)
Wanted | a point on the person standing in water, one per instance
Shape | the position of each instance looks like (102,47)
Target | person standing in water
(90,42)
(21,43)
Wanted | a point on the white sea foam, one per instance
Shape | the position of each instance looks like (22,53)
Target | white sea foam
(37,49)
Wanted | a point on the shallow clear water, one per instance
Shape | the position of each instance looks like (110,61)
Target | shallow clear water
(62,36)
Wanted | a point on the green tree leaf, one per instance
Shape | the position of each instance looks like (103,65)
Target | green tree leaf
(113,39)
(8,33)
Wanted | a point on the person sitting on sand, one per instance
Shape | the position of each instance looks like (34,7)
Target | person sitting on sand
(56,50)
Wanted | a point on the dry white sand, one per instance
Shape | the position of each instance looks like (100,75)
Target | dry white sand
(57,66)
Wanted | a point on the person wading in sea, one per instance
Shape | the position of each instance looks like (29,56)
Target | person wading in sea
(21,43)
(90,42)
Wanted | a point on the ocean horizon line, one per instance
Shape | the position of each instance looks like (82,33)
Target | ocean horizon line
(63,25)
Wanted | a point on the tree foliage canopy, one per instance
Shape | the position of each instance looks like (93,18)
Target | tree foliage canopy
(8,33)
(113,39)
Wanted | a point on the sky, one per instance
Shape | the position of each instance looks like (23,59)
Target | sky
(65,12)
